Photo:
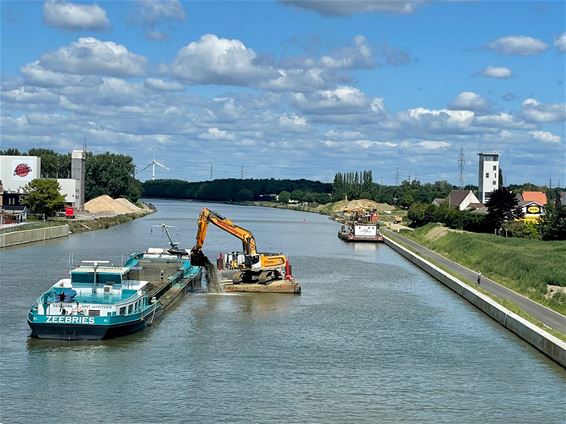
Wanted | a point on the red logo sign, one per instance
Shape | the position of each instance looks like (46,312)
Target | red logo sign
(22,170)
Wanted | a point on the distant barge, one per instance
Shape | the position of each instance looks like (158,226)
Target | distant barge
(361,232)
(101,301)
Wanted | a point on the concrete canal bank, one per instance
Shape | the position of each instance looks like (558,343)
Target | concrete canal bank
(551,346)
(28,236)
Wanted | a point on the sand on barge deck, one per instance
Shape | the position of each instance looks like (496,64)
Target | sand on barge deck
(277,286)
(165,283)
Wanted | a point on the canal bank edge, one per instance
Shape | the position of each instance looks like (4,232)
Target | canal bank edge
(18,237)
(29,236)
(548,344)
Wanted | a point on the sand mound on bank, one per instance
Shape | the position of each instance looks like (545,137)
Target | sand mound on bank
(106,204)
(127,204)
(366,204)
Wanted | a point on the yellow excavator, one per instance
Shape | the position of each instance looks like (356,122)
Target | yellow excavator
(257,267)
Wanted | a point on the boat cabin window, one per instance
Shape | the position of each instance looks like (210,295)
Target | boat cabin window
(101,278)
(122,310)
(130,309)
(94,313)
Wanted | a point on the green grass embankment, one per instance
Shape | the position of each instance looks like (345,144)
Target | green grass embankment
(525,266)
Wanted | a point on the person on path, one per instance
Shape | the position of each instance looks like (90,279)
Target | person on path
(479,277)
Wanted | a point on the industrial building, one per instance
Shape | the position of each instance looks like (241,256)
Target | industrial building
(17,171)
(488,175)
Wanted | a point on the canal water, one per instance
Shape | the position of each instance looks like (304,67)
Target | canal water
(371,339)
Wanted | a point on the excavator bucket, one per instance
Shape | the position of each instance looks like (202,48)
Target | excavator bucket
(197,257)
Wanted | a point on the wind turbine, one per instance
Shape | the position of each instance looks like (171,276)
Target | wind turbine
(152,164)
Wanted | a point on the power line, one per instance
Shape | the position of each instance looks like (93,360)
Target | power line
(461,166)
(397,176)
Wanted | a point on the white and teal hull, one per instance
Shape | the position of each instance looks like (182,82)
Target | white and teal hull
(71,327)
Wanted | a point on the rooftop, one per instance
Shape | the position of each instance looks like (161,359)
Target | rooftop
(535,196)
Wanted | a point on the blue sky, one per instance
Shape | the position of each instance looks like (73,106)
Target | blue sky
(290,88)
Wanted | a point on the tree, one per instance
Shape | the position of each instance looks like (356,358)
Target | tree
(11,151)
(502,206)
(284,196)
(552,225)
(43,197)
(111,174)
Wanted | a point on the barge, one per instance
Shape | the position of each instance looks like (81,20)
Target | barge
(359,225)
(101,301)
(229,264)
(361,232)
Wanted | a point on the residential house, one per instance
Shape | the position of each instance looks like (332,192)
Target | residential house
(462,199)
(532,204)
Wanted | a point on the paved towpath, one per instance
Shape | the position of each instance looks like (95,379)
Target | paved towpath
(545,315)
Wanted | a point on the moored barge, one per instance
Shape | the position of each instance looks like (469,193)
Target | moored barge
(101,301)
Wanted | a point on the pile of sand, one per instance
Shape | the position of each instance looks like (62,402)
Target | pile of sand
(106,204)
(127,204)
(366,204)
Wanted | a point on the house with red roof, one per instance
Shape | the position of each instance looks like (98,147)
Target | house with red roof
(533,204)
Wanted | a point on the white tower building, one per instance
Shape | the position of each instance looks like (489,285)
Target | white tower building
(78,158)
(488,175)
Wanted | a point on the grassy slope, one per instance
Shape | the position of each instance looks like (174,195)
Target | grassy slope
(526,266)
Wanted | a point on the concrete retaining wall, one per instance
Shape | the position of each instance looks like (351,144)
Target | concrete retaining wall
(551,346)
(29,236)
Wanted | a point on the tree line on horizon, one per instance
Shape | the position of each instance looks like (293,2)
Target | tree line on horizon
(113,175)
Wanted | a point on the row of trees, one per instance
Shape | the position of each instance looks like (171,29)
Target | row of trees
(360,185)
(235,190)
(353,185)
(106,173)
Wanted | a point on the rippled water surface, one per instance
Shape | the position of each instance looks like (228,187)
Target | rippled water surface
(371,339)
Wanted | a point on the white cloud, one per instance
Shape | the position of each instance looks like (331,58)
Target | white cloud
(518,45)
(160,85)
(213,60)
(433,145)
(292,121)
(157,13)
(468,100)
(345,8)
(89,56)
(343,99)
(500,120)
(356,56)
(366,144)
(434,120)
(545,136)
(72,16)
(296,80)
(36,75)
(560,42)
(216,134)
(497,72)
(31,96)
(534,111)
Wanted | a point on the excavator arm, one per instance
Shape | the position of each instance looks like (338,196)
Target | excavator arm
(207,216)
(258,267)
